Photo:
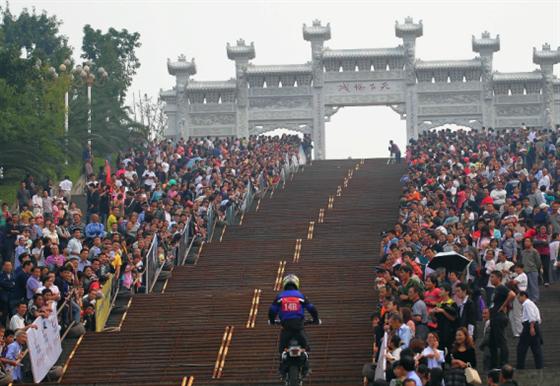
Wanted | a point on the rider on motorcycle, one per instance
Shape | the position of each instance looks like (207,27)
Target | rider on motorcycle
(290,305)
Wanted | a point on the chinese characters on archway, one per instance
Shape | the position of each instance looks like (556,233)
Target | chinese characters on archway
(363,87)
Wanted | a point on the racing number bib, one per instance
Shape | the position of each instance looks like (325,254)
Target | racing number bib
(291,304)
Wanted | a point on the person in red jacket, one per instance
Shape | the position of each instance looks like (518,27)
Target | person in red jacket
(540,242)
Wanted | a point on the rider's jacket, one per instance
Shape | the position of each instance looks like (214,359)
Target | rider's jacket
(291,304)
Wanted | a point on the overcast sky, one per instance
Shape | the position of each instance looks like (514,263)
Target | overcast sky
(201,29)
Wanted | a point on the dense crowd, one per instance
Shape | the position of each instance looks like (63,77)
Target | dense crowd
(492,197)
(59,258)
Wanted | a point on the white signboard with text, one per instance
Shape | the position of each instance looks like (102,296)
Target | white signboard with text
(44,346)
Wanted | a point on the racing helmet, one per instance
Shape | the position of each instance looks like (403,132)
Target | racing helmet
(290,279)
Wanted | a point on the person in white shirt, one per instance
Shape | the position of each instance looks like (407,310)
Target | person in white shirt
(498,194)
(503,265)
(66,188)
(436,358)
(554,247)
(130,173)
(149,178)
(37,203)
(520,281)
(17,322)
(165,167)
(531,335)
(75,243)
(545,179)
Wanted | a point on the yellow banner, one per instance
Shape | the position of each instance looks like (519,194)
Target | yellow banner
(103,306)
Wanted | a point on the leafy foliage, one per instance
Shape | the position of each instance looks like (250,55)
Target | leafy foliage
(32,137)
(112,125)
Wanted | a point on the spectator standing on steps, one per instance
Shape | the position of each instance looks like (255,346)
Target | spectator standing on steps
(15,353)
(518,283)
(531,335)
(500,301)
(66,188)
(532,264)
(554,247)
(395,151)
(541,241)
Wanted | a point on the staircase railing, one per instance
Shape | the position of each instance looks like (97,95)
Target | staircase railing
(154,266)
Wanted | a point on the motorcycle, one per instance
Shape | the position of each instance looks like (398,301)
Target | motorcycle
(295,359)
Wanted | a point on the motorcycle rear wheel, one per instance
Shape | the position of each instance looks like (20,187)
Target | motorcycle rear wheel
(293,376)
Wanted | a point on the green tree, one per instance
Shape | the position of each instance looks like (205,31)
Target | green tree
(112,126)
(31,99)
(32,137)
(38,33)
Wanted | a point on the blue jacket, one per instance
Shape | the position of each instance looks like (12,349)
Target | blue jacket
(95,229)
(7,286)
(291,304)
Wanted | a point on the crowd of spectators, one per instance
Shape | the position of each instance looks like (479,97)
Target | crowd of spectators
(494,198)
(57,257)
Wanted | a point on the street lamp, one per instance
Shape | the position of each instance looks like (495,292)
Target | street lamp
(88,75)
(62,68)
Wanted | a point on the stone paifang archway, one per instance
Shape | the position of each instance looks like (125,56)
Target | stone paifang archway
(302,97)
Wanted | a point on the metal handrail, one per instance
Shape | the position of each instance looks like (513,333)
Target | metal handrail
(151,251)
(184,238)
(188,250)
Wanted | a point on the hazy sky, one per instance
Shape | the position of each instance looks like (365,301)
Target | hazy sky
(201,29)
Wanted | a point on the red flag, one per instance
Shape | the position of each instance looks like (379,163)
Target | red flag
(107,173)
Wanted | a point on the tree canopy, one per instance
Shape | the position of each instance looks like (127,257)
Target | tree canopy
(32,88)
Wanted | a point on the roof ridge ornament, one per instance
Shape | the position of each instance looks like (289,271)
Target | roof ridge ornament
(181,66)
(486,43)
(409,28)
(317,31)
(546,55)
(241,50)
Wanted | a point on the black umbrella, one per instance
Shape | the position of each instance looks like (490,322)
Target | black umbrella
(451,261)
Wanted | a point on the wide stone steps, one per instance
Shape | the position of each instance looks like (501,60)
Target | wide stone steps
(168,336)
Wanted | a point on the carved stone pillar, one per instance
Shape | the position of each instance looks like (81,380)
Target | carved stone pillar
(409,32)
(317,35)
(242,123)
(547,58)
(241,54)
(182,70)
(411,113)
(488,116)
(486,46)
(548,100)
